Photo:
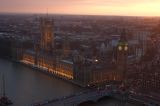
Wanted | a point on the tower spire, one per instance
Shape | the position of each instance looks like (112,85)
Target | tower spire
(47,12)
(47,34)
(123,35)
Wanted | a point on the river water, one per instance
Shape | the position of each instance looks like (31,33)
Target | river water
(25,86)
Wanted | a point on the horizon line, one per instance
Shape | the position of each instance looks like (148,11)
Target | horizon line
(114,15)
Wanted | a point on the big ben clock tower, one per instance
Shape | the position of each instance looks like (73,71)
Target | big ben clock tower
(122,55)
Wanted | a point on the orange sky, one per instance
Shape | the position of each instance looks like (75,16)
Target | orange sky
(89,7)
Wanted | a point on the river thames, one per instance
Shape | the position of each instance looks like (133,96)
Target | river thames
(25,86)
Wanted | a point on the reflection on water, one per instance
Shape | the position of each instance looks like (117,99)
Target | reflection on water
(25,86)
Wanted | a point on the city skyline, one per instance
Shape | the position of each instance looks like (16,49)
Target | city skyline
(60,60)
(84,7)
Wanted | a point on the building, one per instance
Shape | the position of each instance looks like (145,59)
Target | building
(44,56)
(122,56)
(47,35)
(83,67)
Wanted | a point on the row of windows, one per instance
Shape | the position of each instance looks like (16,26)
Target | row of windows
(61,69)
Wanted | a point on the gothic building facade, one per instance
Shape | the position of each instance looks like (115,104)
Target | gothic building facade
(78,68)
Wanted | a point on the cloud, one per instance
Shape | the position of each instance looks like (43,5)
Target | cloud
(71,2)
(83,6)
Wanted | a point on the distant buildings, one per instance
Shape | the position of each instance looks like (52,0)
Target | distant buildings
(84,66)
(83,60)
(87,51)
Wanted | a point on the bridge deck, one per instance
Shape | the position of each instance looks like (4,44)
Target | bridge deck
(94,95)
(75,99)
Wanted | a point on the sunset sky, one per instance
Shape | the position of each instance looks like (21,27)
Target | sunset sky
(89,7)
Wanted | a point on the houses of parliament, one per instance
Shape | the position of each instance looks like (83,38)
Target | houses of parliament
(72,65)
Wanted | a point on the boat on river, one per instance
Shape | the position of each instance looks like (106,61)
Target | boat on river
(4,100)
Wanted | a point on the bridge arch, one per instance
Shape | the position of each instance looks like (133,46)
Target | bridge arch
(86,102)
(95,100)
(104,98)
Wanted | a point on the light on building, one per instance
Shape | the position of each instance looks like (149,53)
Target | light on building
(96,60)
(120,48)
(126,48)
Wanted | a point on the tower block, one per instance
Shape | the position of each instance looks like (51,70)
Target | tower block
(66,47)
(47,35)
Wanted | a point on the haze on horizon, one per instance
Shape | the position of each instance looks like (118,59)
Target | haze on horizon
(86,7)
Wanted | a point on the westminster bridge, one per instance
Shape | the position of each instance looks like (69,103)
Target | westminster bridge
(95,95)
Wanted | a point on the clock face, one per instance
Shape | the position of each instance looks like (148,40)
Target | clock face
(126,48)
(120,48)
